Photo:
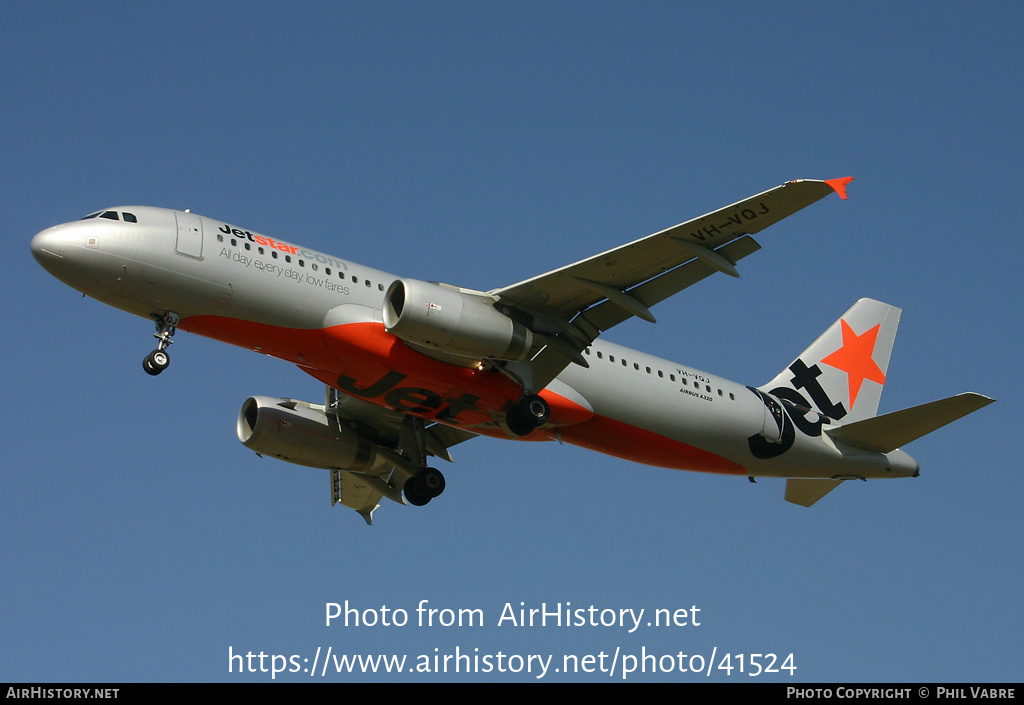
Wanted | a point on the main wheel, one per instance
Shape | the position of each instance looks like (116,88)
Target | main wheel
(430,482)
(534,410)
(412,493)
(531,412)
(516,425)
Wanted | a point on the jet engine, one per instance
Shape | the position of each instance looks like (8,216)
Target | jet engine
(447,320)
(301,433)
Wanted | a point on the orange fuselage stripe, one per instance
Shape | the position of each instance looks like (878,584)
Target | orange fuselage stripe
(366,361)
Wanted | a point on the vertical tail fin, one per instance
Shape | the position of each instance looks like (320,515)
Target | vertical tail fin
(842,373)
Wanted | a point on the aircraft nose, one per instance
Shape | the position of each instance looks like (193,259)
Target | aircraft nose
(48,246)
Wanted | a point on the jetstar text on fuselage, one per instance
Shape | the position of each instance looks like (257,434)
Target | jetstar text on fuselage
(282,246)
(414,400)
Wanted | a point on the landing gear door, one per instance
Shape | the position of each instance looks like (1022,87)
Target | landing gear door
(190,235)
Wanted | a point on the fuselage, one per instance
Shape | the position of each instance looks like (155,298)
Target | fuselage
(324,314)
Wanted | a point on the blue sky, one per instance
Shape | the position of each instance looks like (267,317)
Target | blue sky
(481,144)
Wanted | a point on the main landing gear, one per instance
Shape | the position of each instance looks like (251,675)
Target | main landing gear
(423,486)
(528,414)
(531,411)
(427,483)
(158,360)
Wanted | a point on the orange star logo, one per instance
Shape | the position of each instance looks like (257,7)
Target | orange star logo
(855,359)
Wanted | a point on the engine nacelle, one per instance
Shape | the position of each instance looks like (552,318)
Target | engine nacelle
(301,433)
(446,320)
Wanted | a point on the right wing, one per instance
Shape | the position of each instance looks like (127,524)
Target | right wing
(572,305)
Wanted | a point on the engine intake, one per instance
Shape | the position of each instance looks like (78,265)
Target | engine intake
(449,321)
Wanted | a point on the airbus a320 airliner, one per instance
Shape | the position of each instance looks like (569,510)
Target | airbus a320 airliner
(412,368)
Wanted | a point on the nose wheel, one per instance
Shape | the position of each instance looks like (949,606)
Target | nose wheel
(158,360)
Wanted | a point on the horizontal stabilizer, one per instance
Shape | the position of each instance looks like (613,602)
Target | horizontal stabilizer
(807,492)
(891,431)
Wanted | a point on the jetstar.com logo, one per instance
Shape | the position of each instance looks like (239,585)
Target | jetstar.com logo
(284,247)
(259,239)
(855,357)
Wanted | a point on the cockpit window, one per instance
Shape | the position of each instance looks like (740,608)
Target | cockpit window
(112,215)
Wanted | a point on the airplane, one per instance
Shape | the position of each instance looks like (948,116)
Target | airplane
(412,368)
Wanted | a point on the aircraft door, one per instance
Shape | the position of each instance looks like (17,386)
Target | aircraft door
(190,235)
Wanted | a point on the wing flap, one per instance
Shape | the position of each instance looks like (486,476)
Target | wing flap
(357,492)
(588,325)
(604,315)
(440,438)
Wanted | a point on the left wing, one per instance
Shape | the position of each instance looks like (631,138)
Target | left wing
(571,306)
(390,430)
(386,427)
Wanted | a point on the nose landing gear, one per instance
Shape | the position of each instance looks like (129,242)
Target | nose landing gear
(158,360)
